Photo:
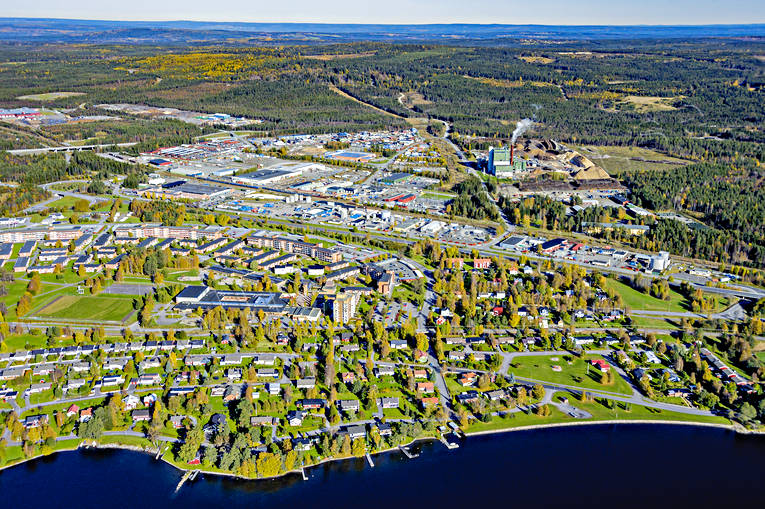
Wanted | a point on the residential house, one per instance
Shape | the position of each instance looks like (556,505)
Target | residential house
(296,417)
(130,402)
(140,415)
(306,383)
(86,414)
(349,405)
(231,393)
(425,387)
(428,402)
(311,404)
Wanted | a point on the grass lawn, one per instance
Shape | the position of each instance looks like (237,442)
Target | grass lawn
(67,445)
(17,289)
(637,300)
(65,203)
(599,413)
(13,454)
(125,439)
(54,407)
(66,277)
(15,342)
(42,397)
(575,374)
(100,308)
(136,279)
(173,276)
(655,323)
(438,196)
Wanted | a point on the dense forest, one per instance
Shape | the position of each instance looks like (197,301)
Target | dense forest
(16,199)
(472,201)
(51,167)
(736,243)
(728,197)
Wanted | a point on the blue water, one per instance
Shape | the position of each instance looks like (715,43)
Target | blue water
(620,466)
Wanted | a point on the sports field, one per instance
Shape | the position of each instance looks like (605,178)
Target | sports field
(91,308)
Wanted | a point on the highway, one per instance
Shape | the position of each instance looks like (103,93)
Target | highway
(67,148)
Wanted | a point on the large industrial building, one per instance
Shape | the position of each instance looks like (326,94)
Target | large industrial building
(185,190)
(277,173)
(502,162)
(660,262)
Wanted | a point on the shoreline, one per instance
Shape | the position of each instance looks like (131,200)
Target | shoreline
(299,471)
(729,427)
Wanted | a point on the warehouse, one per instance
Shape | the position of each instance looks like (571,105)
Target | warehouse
(275,174)
(184,190)
(396,178)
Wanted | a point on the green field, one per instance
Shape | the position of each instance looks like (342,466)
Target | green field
(599,413)
(65,203)
(14,342)
(575,374)
(438,196)
(94,308)
(634,299)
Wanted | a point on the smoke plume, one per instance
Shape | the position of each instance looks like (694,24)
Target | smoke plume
(521,127)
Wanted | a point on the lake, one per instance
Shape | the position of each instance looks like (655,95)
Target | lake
(621,465)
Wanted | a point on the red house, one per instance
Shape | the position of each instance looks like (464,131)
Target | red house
(428,402)
(425,387)
(602,365)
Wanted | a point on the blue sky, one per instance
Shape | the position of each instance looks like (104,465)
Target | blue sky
(556,12)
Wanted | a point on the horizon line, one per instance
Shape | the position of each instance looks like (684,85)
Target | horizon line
(335,23)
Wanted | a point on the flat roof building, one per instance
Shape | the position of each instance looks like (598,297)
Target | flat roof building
(193,297)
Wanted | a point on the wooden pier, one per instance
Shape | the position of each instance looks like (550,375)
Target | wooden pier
(448,444)
(186,476)
(407,453)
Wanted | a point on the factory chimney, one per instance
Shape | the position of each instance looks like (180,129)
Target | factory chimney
(511,153)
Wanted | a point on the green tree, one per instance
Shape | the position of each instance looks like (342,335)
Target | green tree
(268,464)
(359,447)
